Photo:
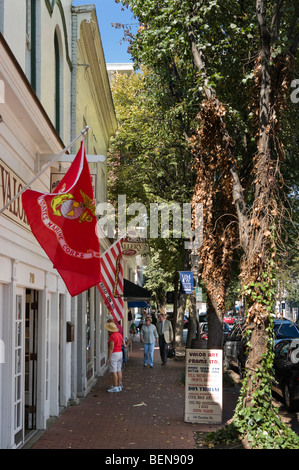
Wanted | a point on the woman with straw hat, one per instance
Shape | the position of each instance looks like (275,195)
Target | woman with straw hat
(115,356)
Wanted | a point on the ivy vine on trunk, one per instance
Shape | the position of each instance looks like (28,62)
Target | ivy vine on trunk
(256,417)
(233,63)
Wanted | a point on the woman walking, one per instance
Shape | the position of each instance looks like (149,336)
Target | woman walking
(149,337)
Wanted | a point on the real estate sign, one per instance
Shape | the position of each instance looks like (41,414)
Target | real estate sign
(203,386)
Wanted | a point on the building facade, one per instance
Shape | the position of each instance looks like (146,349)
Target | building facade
(53,83)
(92,104)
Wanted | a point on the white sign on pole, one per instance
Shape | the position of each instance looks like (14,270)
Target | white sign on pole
(203,386)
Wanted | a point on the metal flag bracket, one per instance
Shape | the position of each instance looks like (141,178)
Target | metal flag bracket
(42,159)
(50,162)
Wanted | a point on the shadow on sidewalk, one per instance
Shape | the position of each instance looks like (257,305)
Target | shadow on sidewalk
(147,414)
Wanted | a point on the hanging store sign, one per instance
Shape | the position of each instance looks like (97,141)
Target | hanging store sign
(186,278)
(133,246)
(203,386)
(10,185)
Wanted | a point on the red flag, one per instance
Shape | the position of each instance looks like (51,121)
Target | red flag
(64,224)
(111,285)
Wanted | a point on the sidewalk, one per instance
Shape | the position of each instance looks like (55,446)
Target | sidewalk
(147,414)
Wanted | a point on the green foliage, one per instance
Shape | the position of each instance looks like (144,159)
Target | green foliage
(228,36)
(157,277)
(228,434)
(256,418)
(149,145)
(259,421)
(227,39)
(149,163)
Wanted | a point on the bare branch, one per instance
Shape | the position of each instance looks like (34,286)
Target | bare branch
(238,199)
(275,24)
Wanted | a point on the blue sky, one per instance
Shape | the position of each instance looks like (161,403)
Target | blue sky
(108,12)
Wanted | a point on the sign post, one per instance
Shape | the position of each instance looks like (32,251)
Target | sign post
(203,386)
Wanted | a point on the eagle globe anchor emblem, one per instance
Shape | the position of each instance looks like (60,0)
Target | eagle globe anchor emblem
(65,205)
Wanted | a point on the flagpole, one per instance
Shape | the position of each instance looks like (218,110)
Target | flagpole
(117,241)
(45,168)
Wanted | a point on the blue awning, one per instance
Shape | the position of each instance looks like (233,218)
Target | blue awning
(139,304)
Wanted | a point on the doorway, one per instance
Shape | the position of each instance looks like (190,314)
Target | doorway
(31,331)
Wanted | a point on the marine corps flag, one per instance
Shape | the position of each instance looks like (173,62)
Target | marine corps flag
(64,224)
(111,285)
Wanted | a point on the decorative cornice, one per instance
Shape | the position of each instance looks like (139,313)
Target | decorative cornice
(100,88)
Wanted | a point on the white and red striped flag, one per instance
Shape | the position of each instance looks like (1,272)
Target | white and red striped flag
(111,285)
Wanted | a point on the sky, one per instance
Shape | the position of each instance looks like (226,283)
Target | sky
(108,12)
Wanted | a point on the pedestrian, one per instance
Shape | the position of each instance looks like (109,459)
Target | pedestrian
(154,319)
(115,356)
(120,330)
(117,323)
(141,323)
(125,346)
(149,337)
(165,331)
(130,316)
(133,330)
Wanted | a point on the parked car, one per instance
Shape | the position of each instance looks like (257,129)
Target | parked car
(226,332)
(286,372)
(285,329)
(234,350)
(186,321)
(202,317)
(238,318)
(203,331)
(228,319)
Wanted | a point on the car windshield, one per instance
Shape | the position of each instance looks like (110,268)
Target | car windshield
(286,330)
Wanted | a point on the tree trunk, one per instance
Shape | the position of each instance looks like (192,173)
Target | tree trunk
(179,326)
(215,325)
(175,300)
(192,326)
(214,150)
(257,243)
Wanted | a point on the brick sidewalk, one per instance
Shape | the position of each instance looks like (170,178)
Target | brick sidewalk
(147,414)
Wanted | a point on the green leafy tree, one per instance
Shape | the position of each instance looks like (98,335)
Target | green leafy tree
(150,162)
(237,59)
(158,280)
